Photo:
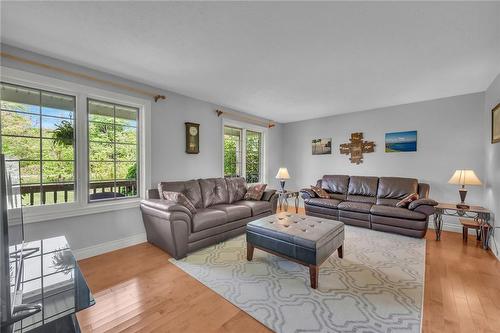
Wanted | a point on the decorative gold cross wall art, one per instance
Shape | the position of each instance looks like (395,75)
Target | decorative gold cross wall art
(357,147)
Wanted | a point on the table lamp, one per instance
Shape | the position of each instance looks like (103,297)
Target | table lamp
(282,176)
(464,177)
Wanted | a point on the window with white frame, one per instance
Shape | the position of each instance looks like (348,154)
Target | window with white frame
(38,132)
(65,136)
(243,153)
(113,150)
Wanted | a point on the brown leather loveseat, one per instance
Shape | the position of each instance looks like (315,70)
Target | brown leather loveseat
(221,213)
(370,202)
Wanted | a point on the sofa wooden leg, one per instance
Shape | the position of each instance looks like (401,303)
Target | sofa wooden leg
(313,275)
(249,251)
(340,252)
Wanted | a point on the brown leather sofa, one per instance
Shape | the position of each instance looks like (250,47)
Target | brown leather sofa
(370,202)
(221,213)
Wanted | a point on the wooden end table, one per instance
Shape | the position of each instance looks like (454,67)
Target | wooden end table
(478,213)
(283,199)
(470,224)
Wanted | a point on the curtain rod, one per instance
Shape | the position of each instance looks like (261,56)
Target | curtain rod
(250,119)
(156,97)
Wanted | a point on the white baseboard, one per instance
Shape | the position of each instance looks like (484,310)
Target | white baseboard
(109,246)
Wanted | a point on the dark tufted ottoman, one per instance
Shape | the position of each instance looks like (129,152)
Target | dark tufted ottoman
(306,240)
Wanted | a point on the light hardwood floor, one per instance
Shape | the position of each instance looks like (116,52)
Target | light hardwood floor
(138,290)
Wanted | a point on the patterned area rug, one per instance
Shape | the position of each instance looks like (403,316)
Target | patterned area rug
(377,287)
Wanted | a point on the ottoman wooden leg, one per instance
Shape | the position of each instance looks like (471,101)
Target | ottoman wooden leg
(313,275)
(340,252)
(249,251)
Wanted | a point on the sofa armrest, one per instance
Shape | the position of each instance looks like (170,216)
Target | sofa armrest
(421,202)
(267,195)
(166,206)
(425,206)
(271,196)
(307,193)
(168,225)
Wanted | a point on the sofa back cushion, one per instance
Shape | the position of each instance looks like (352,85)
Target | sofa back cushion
(236,188)
(214,191)
(362,189)
(335,185)
(423,190)
(393,189)
(191,189)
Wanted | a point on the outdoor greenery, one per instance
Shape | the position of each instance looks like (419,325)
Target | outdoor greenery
(232,151)
(45,146)
(107,141)
(253,147)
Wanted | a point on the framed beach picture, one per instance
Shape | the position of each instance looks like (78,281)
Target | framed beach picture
(321,146)
(401,142)
(495,124)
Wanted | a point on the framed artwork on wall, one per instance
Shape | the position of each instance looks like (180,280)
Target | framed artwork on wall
(495,124)
(396,142)
(321,146)
(192,138)
(356,147)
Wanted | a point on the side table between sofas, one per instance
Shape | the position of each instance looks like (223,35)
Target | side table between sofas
(478,213)
(283,199)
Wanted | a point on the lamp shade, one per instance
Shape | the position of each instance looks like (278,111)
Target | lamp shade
(464,177)
(282,174)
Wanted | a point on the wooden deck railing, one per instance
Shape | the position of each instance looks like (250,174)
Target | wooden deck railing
(55,188)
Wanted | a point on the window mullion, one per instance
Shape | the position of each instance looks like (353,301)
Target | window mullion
(42,195)
(81,149)
(244,153)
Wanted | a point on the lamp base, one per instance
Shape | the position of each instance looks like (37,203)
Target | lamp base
(282,184)
(463,193)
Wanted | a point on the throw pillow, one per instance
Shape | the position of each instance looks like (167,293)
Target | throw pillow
(255,192)
(180,199)
(403,203)
(320,192)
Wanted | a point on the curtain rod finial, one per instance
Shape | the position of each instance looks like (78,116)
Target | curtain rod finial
(271,125)
(158,97)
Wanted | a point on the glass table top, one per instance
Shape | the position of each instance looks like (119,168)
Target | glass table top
(52,278)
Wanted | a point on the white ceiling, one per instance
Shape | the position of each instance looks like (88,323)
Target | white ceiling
(282,61)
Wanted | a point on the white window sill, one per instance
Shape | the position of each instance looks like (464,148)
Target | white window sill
(61,211)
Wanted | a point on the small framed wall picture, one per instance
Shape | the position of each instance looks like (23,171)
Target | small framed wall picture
(192,138)
(321,146)
(495,124)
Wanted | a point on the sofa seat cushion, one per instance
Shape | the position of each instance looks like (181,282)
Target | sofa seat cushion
(206,218)
(234,212)
(397,212)
(257,207)
(320,202)
(353,206)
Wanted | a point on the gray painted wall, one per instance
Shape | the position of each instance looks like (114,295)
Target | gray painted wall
(492,163)
(168,160)
(448,139)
